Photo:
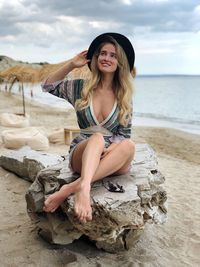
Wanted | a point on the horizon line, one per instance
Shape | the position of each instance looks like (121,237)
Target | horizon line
(167,74)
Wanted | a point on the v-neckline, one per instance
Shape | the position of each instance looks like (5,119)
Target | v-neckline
(107,118)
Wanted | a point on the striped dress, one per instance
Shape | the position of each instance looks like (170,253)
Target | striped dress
(111,128)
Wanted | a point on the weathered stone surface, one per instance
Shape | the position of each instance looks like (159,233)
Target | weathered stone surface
(26,162)
(118,218)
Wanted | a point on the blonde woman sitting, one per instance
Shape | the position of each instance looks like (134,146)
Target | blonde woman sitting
(104,111)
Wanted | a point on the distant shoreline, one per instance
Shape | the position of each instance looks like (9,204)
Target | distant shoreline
(166,75)
(10,62)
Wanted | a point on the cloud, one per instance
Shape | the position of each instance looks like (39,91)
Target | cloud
(175,16)
(53,30)
(160,15)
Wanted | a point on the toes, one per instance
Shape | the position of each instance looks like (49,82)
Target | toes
(48,207)
(52,210)
(47,201)
(80,214)
(76,212)
(84,216)
(83,220)
(44,209)
(89,216)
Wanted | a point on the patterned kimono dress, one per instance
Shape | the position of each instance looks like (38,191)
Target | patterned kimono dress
(112,130)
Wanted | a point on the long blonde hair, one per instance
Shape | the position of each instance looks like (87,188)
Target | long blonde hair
(122,83)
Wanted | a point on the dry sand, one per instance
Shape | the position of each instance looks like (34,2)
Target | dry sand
(176,243)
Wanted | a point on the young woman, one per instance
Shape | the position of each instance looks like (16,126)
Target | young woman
(104,111)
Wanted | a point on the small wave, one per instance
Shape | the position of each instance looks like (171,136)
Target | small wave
(166,123)
(168,119)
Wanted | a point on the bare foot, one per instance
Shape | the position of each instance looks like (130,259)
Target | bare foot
(57,198)
(82,206)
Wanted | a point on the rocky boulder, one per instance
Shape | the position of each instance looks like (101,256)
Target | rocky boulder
(118,217)
(26,163)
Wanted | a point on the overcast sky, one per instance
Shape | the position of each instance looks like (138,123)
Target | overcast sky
(164,33)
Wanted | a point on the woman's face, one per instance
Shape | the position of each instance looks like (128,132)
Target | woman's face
(107,59)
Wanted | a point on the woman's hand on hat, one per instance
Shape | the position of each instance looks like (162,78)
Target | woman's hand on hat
(80,59)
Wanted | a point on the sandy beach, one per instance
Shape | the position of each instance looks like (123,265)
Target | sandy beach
(176,243)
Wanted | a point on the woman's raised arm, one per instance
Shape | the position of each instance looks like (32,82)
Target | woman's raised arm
(76,62)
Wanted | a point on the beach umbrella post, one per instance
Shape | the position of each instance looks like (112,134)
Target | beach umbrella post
(23,99)
(13,79)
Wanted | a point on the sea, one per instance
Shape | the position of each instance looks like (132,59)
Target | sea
(170,101)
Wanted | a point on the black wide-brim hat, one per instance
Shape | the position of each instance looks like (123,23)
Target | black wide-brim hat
(122,40)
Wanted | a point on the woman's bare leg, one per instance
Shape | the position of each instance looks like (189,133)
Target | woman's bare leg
(116,161)
(86,154)
(89,163)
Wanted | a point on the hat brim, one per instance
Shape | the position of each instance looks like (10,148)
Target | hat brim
(122,40)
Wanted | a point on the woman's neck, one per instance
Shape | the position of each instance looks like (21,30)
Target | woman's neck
(106,83)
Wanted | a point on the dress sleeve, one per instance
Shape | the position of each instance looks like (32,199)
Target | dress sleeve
(68,89)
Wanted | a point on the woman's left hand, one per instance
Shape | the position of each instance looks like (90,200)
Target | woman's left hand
(80,59)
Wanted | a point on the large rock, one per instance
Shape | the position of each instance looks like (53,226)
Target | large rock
(26,163)
(118,218)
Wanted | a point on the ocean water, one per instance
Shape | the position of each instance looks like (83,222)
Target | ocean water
(159,101)
(168,101)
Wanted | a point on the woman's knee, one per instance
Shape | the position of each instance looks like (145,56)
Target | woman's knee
(98,138)
(128,147)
